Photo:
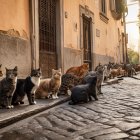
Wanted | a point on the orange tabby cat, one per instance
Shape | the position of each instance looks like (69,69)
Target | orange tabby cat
(79,71)
(50,86)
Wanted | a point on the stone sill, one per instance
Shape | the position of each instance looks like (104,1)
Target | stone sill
(103,17)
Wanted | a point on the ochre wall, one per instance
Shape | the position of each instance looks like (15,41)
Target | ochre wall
(105,46)
(14,14)
(15,49)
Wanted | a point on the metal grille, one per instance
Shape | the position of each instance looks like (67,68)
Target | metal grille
(47,34)
(87,40)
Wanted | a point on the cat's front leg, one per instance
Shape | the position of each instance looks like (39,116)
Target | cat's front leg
(10,101)
(31,98)
(54,95)
(6,103)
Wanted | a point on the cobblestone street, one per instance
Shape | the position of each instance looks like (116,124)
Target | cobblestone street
(116,115)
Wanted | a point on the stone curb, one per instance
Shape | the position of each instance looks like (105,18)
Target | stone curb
(12,119)
(112,81)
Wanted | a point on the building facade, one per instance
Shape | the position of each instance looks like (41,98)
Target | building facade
(132,25)
(60,34)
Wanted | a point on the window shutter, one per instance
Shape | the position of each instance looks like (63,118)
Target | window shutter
(112,5)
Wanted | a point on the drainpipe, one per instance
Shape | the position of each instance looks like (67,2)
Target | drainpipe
(32,35)
(139,32)
(125,43)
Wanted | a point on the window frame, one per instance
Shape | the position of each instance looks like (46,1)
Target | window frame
(103,7)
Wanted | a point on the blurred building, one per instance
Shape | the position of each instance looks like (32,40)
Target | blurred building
(132,24)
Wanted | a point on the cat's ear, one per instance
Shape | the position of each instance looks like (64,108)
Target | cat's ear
(39,69)
(6,68)
(15,68)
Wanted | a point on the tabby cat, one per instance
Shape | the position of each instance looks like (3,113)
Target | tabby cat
(49,87)
(72,77)
(68,82)
(7,88)
(79,71)
(27,86)
(1,74)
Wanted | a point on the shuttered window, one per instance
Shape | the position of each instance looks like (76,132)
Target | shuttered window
(103,6)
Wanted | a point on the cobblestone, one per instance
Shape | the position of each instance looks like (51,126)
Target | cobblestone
(115,116)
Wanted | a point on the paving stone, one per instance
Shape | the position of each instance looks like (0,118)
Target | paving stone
(43,121)
(135,132)
(133,118)
(101,132)
(134,138)
(86,115)
(55,136)
(62,116)
(39,137)
(60,131)
(34,126)
(62,123)
(26,132)
(90,128)
(112,136)
(70,114)
(125,126)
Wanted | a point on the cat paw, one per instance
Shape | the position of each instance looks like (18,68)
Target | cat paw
(57,97)
(21,102)
(11,106)
(8,107)
(69,93)
(53,97)
(17,103)
(71,103)
(33,103)
(96,99)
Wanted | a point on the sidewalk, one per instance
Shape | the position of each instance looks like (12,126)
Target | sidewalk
(9,116)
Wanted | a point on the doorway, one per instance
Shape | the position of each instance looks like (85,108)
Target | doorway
(47,37)
(87,40)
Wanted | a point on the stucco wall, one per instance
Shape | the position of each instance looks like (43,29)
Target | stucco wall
(15,47)
(15,52)
(14,14)
(106,44)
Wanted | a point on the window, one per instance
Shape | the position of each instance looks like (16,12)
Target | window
(103,11)
(115,5)
(103,6)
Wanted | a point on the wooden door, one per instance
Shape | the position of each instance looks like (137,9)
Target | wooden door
(87,40)
(47,37)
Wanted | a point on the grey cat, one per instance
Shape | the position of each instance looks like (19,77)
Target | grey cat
(99,73)
(7,88)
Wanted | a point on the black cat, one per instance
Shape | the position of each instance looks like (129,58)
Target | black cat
(7,88)
(27,86)
(83,93)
